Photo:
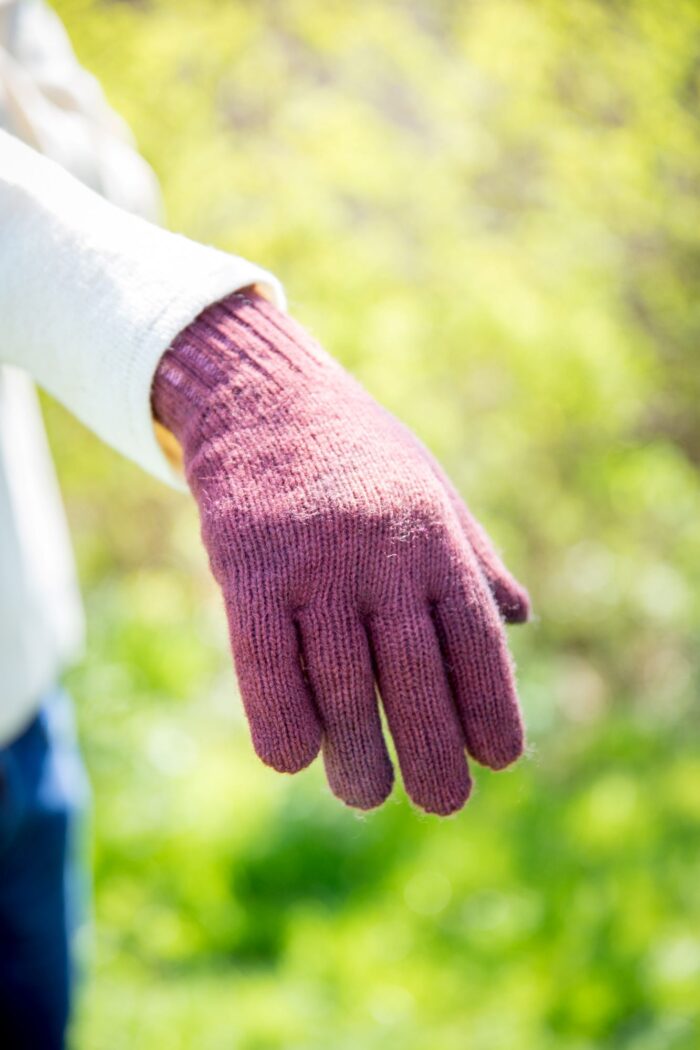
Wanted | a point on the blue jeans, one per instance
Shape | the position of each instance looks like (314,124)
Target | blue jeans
(43,792)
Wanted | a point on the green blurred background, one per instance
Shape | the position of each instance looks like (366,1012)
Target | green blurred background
(490,211)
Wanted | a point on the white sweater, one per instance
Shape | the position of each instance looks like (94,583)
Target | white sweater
(90,298)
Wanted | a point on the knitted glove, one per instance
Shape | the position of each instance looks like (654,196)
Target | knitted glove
(344,556)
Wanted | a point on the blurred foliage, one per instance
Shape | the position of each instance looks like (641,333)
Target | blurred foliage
(491,213)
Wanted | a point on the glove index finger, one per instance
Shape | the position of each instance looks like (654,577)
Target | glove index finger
(284,726)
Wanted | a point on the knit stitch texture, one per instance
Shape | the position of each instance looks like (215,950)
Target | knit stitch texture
(345,557)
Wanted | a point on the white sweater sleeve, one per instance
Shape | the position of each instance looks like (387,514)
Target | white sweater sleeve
(92,296)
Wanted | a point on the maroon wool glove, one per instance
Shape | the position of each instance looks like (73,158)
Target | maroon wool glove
(344,555)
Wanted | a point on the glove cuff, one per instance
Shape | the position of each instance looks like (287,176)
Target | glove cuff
(237,359)
(198,363)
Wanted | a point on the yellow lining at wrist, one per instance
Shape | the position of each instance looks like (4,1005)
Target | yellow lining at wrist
(170,446)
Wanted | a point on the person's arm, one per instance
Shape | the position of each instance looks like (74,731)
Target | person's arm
(343,554)
(51,102)
(91,297)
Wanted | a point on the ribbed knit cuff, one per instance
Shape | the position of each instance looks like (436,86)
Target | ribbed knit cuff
(200,361)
